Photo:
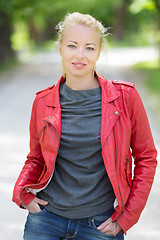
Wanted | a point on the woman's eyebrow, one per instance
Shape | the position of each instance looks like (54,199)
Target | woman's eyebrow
(90,43)
(72,41)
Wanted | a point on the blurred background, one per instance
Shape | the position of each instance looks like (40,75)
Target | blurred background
(29,62)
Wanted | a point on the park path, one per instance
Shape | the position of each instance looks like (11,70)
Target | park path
(17,91)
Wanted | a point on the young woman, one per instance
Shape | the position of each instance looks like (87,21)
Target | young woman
(84,132)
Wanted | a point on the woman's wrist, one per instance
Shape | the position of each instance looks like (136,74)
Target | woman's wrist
(117,228)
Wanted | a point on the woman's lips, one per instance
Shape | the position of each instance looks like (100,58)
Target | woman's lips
(79,65)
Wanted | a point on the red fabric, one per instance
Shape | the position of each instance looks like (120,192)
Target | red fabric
(125,136)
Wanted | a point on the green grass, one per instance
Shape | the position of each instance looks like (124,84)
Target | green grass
(151,69)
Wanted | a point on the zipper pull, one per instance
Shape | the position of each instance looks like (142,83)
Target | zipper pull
(128,165)
(44,128)
(41,135)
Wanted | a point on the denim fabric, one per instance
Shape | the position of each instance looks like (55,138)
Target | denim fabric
(45,225)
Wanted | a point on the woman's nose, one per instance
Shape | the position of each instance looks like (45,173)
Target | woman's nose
(80,53)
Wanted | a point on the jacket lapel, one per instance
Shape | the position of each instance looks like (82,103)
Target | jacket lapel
(54,102)
(55,120)
(109,116)
(109,112)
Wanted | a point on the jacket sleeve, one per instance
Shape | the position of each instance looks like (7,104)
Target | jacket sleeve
(144,155)
(33,166)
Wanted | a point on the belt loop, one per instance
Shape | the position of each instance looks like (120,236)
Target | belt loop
(89,221)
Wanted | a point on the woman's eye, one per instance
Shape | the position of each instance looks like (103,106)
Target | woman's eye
(71,46)
(90,48)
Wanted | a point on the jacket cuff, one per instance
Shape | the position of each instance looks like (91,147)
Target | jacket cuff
(123,224)
(26,197)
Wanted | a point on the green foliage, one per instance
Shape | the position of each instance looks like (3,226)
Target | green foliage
(6,9)
(20,38)
(6,6)
(46,14)
(138,6)
(153,81)
(147,65)
(34,21)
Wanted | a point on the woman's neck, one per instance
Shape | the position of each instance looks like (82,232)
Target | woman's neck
(77,83)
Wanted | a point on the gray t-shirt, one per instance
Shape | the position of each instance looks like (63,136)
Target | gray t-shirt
(80,186)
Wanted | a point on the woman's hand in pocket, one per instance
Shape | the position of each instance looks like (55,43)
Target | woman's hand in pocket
(110,227)
(33,206)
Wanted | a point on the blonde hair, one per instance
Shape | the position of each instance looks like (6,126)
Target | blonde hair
(76,18)
(83,19)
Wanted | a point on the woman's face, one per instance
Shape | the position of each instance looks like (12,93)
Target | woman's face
(80,49)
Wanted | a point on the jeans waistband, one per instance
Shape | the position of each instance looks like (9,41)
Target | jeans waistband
(107,213)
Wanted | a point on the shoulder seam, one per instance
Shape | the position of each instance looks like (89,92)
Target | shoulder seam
(43,92)
(119,82)
(46,89)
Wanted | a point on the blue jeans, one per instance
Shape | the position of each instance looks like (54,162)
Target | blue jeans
(45,225)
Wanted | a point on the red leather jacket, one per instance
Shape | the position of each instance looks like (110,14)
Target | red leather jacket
(125,136)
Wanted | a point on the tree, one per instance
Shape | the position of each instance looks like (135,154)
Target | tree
(40,17)
(6,51)
(121,17)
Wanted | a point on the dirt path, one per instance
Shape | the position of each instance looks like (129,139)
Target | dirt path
(17,91)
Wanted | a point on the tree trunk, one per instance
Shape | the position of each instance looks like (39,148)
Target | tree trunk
(6,52)
(36,35)
(120,16)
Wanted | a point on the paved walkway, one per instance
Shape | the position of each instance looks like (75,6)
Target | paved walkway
(17,91)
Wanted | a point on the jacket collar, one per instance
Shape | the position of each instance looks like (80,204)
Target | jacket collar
(109,92)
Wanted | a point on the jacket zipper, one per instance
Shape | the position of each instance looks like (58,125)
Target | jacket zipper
(42,133)
(29,186)
(128,167)
(128,163)
(56,132)
(58,145)
(51,125)
(116,170)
